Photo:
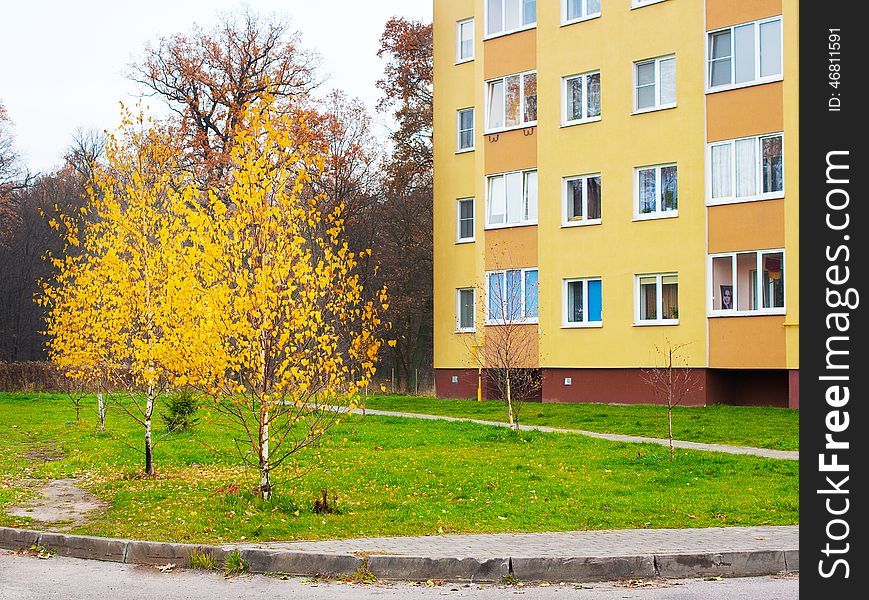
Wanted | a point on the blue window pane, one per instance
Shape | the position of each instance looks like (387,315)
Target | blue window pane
(496,297)
(531,294)
(530,12)
(594,300)
(514,295)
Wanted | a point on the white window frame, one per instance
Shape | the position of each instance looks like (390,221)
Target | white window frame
(472,328)
(657,213)
(565,122)
(711,311)
(642,3)
(503,81)
(758,173)
(523,319)
(503,31)
(585,17)
(585,323)
(459,238)
(565,220)
(459,58)
(659,300)
(459,130)
(525,203)
(759,80)
(658,105)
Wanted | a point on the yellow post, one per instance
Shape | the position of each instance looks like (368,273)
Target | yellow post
(474,350)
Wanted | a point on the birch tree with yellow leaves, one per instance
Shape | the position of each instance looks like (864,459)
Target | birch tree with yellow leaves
(109,307)
(277,331)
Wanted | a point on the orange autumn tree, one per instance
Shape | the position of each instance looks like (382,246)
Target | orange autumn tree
(277,330)
(109,307)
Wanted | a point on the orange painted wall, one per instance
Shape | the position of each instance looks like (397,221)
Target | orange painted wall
(747,226)
(508,54)
(511,150)
(747,342)
(513,247)
(521,340)
(722,13)
(744,111)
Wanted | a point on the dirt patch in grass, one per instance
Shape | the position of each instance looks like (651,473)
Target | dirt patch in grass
(45,452)
(60,505)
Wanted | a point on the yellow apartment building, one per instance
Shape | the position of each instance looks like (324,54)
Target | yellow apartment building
(613,177)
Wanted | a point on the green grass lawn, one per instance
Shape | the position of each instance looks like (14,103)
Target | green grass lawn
(761,427)
(392,476)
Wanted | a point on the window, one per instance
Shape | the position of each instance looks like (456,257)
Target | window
(504,16)
(580,98)
(750,168)
(465,129)
(465,220)
(511,199)
(655,84)
(465,306)
(511,102)
(747,283)
(512,296)
(657,299)
(581,200)
(657,192)
(581,302)
(743,55)
(579,10)
(465,41)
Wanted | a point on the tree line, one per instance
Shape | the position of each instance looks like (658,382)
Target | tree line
(207,77)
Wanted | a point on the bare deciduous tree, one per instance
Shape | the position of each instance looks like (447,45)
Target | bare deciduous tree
(402,223)
(508,350)
(672,381)
(11,176)
(207,76)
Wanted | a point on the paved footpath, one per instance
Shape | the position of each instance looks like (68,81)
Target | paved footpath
(762,452)
(606,543)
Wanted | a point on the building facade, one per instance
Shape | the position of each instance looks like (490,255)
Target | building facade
(612,178)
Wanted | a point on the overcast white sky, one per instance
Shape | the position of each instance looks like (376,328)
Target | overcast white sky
(62,62)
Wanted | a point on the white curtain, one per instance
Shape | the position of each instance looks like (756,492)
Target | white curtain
(514,197)
(496,105)
(668,81)
(721,171)
(531,196)
(743,48)
(497,201)
(746,167)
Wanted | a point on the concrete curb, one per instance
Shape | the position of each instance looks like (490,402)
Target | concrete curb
(418,568)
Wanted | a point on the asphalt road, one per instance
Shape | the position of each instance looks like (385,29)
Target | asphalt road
(25,578)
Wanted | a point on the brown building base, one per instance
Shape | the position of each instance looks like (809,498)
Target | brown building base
(737,387)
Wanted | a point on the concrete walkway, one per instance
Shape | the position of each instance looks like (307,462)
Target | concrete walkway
(606,543)
(762,452)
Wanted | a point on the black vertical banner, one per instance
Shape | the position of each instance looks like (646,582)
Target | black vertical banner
(834,425)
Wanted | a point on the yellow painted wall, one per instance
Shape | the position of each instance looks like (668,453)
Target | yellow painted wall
(456,176)
(791,104)
(619,248)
